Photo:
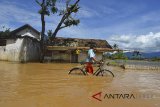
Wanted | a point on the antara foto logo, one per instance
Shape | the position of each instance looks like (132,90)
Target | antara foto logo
(97,96)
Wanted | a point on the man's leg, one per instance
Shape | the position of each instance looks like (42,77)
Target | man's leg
(89,68)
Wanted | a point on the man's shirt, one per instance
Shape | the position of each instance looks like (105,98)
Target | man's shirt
(91,55)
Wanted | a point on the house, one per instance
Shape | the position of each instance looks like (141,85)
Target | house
(74,49)
(22,45)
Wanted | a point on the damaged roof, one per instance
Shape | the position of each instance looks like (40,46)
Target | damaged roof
(76,42)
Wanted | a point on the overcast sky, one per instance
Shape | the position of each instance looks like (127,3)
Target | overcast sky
(132,24)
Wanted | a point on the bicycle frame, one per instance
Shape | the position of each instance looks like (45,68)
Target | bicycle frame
(98,69)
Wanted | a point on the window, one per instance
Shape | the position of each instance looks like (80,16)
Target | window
(3,42)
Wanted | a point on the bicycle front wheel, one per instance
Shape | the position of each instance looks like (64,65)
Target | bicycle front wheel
(76,71)
(105,73)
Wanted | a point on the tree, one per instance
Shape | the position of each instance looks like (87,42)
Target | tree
(46,7)
(119,55)
(136,55)
(115,46)
(67,20)
(5,31)
(49,34)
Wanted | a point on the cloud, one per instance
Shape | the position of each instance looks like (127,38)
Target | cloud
(14,14)
(83,31)
(148,42)
(98,23)
(85,12)
(107,10)
(11,15)
(104,31)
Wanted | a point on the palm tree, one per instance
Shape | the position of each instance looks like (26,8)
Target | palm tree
(137,54)
(115,46)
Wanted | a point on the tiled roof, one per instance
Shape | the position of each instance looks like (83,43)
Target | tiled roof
(77,42)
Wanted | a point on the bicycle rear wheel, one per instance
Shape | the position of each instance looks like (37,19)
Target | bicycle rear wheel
(76,71)
(105,73)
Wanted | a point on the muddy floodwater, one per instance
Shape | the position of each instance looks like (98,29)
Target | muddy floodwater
(49,85)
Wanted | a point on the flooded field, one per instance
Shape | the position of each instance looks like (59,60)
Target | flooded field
(49,85)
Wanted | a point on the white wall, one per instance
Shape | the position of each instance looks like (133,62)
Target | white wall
(3,55)
(11,51)
(30,50)
(21,49)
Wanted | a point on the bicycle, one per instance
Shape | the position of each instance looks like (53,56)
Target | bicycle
(99,72)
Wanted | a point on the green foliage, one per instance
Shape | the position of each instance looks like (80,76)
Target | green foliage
(155,59)
(47,7)
(54,10)
(118,55)
(49,33)
(137,55)
(5,32)
(73,8)
(113,63)
(45,12)
(115,46)
(69,22)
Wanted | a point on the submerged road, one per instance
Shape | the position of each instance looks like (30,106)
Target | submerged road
(49,85)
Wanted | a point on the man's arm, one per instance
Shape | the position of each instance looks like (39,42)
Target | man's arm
(94,59)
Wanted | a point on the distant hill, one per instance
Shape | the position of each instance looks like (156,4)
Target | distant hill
(144,55)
